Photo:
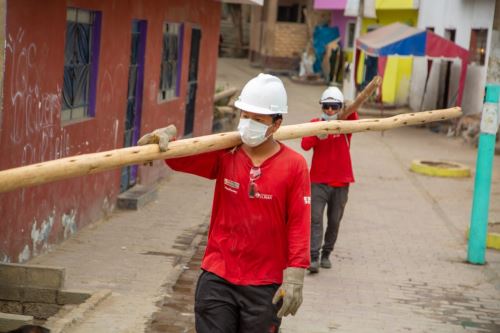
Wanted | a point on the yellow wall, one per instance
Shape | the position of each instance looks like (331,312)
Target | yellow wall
(394,4)
(396,84)
(386,17)
(348,55)
(395,87)
(361,67)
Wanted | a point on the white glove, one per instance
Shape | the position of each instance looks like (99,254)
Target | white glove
(160,136)
(290,291)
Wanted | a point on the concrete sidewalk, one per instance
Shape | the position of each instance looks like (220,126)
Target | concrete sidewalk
(399,264)
(137,255)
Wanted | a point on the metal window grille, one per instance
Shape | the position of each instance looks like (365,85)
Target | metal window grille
(80,25)
(169,75)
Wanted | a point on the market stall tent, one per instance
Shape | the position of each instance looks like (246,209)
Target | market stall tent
(398,39)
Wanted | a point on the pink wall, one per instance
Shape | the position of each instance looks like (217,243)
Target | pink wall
(338,19)
(329,4)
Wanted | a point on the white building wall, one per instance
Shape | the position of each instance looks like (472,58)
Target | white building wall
(461,15)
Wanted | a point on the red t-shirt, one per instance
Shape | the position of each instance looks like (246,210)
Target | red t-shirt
(331,161)
(252,240)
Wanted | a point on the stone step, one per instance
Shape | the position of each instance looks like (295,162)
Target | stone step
(10,321)
(137,197)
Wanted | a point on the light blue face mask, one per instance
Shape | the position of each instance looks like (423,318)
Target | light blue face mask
(252,132)
(326,117)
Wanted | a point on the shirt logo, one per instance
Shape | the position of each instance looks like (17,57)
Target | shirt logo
(263,196)
(231,183)
(307,200)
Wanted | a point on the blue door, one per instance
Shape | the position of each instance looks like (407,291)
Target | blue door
(134,98)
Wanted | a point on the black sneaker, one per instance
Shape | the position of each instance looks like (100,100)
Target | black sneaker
(314,267)
(325,262)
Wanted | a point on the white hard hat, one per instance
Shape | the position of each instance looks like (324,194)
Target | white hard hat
(264,94)
(332,94)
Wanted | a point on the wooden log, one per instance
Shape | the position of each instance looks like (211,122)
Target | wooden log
(225,109)
(224,94)
(88,164)
(361,98)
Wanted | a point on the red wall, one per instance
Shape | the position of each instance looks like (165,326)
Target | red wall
(33,219)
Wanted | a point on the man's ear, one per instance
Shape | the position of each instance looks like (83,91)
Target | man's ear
(277,124)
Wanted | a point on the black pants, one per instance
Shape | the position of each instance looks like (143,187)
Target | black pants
(335,198)
(222,307)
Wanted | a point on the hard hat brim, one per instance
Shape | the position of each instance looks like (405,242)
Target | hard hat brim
(256,109)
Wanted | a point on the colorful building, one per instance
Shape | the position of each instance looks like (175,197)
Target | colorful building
(345,24)
(376,14)
(385,45)
(83,76)
(468,24)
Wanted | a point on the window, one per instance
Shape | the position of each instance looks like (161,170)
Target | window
(170,63)
(80,64)
(477,46)
(290,12)
(450,34)
(349,34)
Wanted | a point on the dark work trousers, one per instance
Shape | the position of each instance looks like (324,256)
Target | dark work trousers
(335,198)
(222,307)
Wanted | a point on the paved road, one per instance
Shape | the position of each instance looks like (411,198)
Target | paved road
(399,264)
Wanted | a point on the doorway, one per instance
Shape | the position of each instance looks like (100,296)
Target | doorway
(444,76)
(192,81)
(134,98)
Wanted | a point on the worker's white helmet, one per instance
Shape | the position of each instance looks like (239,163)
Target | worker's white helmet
(332,95)
(264,94)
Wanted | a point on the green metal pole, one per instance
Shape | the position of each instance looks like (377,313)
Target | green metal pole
(482,184)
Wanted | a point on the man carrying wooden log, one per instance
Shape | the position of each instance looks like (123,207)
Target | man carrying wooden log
(258,241)
(331,174)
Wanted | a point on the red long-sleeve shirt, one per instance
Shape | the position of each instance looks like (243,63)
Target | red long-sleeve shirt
(251,240)
(331,161)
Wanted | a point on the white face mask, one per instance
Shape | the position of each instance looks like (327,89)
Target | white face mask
(324,116)
(252,132)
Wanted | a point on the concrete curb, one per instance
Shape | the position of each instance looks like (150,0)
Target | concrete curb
(181,267)
(492,239)
(76,315)
(167,288)
(440,169)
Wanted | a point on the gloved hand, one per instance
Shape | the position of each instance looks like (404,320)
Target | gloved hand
(160,136)
(322,136)
(290,291)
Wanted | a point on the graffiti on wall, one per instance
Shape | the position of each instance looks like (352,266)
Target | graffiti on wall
(36,114)
(68,222)
(40,235)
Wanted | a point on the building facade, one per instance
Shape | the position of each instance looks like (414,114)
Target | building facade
(398,71)
(83,76)
(278,34)
(469,24)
